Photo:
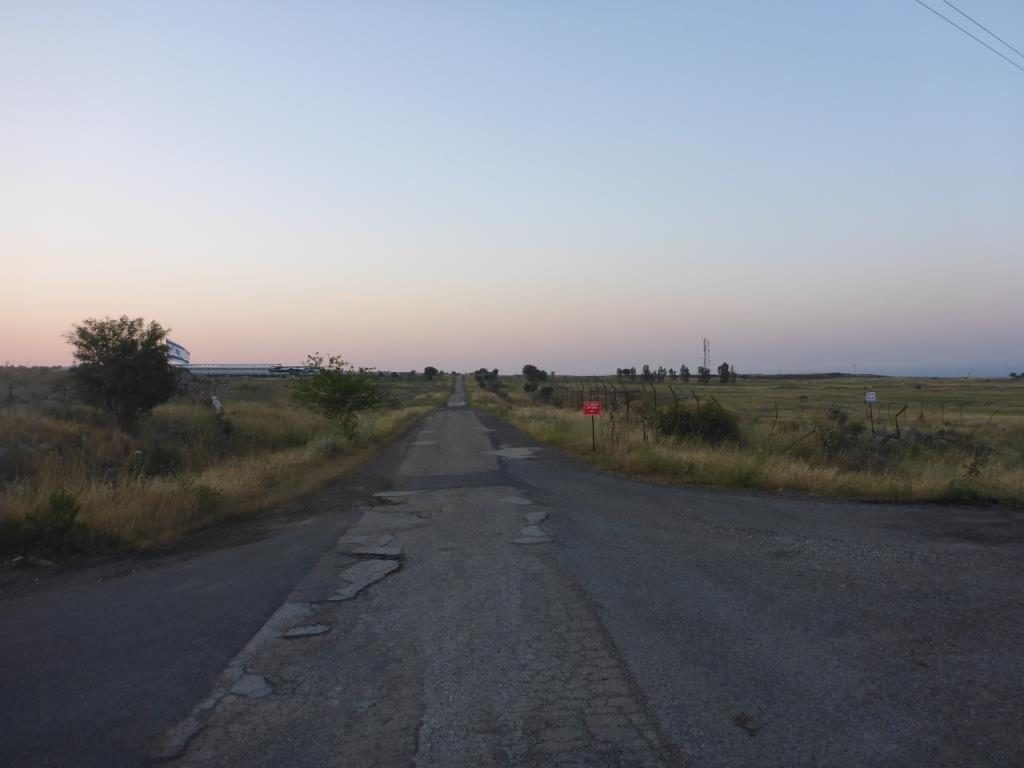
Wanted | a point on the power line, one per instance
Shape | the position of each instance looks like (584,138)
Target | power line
(982,26)
(974,37)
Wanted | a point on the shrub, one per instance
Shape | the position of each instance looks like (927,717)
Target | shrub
(338,392)
(330,446)
(54,528)
(545,394)
(10,535)
(209,501)
(15,462)
(712,423)
(157,461)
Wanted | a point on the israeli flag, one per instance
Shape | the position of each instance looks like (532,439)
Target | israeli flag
(177,354)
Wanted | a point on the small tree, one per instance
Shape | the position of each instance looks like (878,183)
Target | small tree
(533,376)
(684,373)
(646,373)
(121,366)
(430,372)
(723,373)
(488,379)
(338,391)
(703,374)
(533,373)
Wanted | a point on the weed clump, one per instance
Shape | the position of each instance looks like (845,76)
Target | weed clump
(711,423)
(208,501)
(161,460)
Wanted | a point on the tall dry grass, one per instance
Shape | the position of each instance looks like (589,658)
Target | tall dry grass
(187,468)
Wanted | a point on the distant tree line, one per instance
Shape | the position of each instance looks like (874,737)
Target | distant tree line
(726,374)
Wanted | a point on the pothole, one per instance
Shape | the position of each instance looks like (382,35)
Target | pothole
(524,452)
(532,540)
(387,551)
(386,546)
(515,500)
(391,495)
(252,686)
(533,533)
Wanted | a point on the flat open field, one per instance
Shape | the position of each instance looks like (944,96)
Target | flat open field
(942,440)
(187,467)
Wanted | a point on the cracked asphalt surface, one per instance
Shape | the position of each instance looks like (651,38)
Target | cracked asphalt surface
(504,608)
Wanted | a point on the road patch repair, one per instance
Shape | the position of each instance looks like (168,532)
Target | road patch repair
(370,545)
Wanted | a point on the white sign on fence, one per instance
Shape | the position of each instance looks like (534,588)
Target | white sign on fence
(869,397)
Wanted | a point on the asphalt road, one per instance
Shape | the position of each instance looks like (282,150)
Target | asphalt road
(501,605)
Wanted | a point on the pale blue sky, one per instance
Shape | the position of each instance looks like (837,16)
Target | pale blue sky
(581,185)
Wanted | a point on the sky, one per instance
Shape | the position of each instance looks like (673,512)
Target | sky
(811,185)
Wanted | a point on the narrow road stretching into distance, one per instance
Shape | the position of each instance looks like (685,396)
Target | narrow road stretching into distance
(487,602)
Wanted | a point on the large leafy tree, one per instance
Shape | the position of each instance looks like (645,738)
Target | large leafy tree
(338,391)
(121,366)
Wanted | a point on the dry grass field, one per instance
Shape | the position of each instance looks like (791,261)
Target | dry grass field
(934,440)
(187,467)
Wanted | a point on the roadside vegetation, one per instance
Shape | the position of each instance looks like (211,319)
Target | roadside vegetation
(931,440)
(77,476)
